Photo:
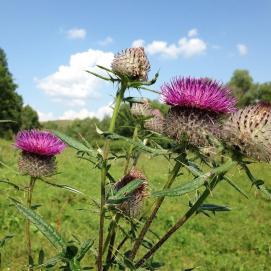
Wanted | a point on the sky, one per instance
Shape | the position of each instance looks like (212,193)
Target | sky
(49,45)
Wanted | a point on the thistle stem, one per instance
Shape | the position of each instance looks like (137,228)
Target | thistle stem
(106,150)
(27,225)
(130,151)
(209,187)
(172,176)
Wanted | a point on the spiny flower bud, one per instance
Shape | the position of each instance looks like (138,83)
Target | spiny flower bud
(36,165)
(191,125)
(156,123)
(249,130)
(132,63)
(38,152)
(141,109)
(133,204)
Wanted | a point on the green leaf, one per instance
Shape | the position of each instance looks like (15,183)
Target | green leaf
(46,229)
(183,189)
(87,244)
(196,183)
(41,257)
(11,184)
(3,121)
(213,208)
(235,186)
(74,143)
(123,194)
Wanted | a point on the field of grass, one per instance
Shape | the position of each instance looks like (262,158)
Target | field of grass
(236,240)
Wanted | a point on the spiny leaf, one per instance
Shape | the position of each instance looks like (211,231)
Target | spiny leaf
(46,229)
(123,194)
(87,244)
(213,208)
(181,190)
(3,241)
(74,143)
(235,186)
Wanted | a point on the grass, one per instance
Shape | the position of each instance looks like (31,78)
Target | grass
(236,240)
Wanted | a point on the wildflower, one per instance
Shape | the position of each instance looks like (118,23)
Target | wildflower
(132,63)
(135,201)
(197,106)
(249,130)
(39,148)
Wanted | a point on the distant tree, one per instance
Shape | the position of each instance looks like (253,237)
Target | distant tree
(264,92)
(10,102)
(243,87)
(30,118)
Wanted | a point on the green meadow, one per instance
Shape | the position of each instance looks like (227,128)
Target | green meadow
(235,240)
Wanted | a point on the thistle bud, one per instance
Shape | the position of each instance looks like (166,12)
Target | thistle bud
(249,130)
(156,123)
(132,63)
(133,204)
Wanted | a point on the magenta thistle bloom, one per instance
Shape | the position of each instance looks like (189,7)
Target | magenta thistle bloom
(39,142)
(200,93)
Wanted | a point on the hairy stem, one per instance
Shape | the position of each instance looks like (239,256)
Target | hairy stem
(209,187)
(172,176)
(106,150)
(27,225)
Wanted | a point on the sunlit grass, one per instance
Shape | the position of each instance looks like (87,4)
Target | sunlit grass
(236,240)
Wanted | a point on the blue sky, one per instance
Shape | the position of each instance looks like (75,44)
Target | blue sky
(50,43)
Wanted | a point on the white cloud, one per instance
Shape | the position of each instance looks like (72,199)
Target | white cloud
(77,33)
(242,49)
(84,113)
(193,32)
(185,47)
(138,43)
(108,40)
(71,83)
(45,116)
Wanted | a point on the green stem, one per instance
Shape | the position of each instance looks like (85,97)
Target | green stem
(172,176)
(27,225)
(209,187)
(130,151)
(106,150)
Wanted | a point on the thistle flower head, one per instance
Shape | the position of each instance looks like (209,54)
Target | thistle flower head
(156,122)
(36,165)
(200,93)
(249,130)
(192,125)
(132,63)
(39,142)
(134,203)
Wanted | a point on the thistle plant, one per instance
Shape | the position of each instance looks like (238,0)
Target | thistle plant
(201,114)
(37,159)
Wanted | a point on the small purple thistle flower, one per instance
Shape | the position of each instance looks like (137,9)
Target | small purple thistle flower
(201,93)
(39,142)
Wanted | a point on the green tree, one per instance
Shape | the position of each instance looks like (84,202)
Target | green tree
(10,102)
(243,87)
(30,118)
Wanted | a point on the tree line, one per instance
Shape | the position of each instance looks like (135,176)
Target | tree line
(24,117)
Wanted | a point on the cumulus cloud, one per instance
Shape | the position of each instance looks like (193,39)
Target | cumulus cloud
(76,33)
(108,40)
(71,84)
(193,32)
(242,49)
(85,113)
(186,46)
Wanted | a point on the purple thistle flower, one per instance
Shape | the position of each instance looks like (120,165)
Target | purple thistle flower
(39,142)
(201,93)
